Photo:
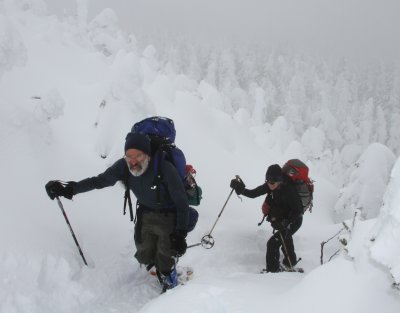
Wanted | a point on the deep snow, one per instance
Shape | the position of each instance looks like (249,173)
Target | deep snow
(65,106)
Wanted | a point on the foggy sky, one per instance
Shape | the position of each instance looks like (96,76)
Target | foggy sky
(360,28)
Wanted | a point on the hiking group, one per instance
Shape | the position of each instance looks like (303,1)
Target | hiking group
(155,170)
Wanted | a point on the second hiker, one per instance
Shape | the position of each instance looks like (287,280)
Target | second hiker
(283,209)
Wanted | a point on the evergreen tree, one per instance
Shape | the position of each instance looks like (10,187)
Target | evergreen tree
(380,126)
(194,69)
(366,123)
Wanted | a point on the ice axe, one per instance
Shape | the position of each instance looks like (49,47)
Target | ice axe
(208,241)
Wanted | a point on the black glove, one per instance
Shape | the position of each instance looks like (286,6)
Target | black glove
(55,188)
(178,242)
(238,185)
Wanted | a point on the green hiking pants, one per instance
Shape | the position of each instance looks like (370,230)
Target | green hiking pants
(153,244)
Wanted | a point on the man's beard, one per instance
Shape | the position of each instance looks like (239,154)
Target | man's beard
(140,168)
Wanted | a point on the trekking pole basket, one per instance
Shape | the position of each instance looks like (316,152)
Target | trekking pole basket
(208,241)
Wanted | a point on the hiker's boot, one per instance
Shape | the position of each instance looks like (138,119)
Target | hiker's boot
(168,281)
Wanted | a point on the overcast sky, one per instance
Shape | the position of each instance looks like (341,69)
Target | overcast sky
(357,27)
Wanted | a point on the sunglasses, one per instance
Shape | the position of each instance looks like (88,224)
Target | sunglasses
(272,182)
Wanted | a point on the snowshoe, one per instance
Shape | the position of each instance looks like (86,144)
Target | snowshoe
(168,281)
(179,276)
(285,268)
(185,273)
(151,269)
(265,271)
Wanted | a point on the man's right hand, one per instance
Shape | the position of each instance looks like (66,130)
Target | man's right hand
(55,188)
(238,185)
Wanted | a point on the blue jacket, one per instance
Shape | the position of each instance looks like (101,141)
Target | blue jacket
(172,193)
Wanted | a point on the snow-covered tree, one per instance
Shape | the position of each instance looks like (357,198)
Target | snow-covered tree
(194,70)
(211,70)
(367,123)
(227,79)
(37,7)
(50,106)
(385,248)
(367,179)
(105,34)
(380,126)
(12,48)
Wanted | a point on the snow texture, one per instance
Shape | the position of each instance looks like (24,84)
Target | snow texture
(70,90)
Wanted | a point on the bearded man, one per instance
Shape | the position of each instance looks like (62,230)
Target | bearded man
(162,218)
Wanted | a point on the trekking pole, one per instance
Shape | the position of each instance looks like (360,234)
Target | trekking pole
(286,251)
(208,241)
(70,228)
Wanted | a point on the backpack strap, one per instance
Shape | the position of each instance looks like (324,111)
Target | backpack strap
(127,197)
(310,186)
(164,151)
(197,194)
(158,174)
(138,222)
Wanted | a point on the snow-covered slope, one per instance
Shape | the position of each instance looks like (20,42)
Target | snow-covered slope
(65,107)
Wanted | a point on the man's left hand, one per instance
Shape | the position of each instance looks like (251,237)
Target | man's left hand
(178,242)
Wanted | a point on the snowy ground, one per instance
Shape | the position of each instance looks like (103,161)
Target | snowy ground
(55,137)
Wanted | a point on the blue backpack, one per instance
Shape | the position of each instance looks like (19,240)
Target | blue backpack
(162,133)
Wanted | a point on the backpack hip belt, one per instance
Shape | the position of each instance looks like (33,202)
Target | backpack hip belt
(146,209)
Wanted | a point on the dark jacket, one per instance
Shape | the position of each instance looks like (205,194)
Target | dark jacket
(284,202)
(173,193)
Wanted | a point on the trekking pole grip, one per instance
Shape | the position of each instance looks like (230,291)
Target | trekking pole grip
(237,177)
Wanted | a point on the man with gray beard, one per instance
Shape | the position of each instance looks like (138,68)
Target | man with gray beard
(162,218)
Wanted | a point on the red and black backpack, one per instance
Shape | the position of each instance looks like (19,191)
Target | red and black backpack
(297,171)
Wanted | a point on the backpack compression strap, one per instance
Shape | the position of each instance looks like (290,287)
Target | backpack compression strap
(127,196)
(158,175)
(164,151)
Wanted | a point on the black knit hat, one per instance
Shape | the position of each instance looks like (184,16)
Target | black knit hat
(274,173)
(137,141)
